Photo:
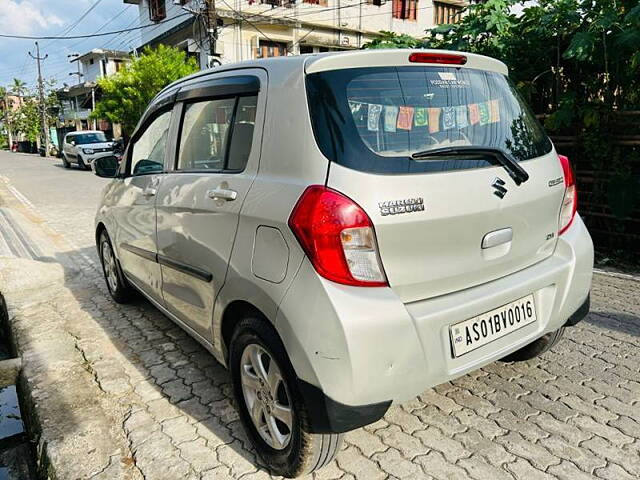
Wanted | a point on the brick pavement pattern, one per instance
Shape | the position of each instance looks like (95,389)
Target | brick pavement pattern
(573,413)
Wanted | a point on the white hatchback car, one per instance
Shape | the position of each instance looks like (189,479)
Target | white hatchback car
(344,231)
(83,147)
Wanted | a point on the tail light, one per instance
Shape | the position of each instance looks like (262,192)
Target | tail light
(442,58)
(570,200)
(338,237)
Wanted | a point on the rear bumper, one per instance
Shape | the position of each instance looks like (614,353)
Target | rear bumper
(363,346)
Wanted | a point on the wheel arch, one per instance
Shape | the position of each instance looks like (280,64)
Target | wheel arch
(233,314)
(100,227)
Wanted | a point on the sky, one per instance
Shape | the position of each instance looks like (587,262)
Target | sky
(57,17)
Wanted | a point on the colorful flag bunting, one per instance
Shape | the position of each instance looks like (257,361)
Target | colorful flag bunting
(390,118)
(420,117)
(461,116)
(474,114)
(494,110)
(405,118)
(448,117)
(373,117)
(434,119)
(485,117)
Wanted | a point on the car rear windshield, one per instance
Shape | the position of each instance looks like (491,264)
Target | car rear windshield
(85,138)
(373,119)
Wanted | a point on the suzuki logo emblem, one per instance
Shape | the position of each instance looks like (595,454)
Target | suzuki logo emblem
(500,191)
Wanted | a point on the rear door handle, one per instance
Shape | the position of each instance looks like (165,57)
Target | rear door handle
(497,237)
(223,194)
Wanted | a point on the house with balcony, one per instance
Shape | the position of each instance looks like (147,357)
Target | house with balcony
(80,94)
(266,28)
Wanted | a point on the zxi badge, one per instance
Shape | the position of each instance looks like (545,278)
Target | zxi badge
(500,190)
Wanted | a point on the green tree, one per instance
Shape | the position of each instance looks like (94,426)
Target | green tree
(26,117)
(126,94)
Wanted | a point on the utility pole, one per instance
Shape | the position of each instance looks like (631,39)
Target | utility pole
(211,21)
(43,107)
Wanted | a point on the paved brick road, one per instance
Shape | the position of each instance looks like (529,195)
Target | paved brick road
(574,413)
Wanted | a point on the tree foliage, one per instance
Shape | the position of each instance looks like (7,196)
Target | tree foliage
(125,95)
(25,119)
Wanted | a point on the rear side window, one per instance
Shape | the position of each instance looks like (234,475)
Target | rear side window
(374,119)
(217,134)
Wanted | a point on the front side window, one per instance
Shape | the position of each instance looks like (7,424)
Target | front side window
(217,134)
(374,119)
(148,151)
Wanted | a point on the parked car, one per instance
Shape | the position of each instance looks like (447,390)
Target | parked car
(83,147)
(387,221)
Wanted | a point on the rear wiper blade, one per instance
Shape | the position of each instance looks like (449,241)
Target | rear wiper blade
(505,159)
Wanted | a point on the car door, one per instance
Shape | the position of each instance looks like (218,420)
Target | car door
(198,203)
(134,207)
(68,147)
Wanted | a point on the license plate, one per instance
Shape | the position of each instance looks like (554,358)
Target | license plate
(487,327)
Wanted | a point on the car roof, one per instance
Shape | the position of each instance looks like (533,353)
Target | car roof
(316,62)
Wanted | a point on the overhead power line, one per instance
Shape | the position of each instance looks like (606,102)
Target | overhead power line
(96,34)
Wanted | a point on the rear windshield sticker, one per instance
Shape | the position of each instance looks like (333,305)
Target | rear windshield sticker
(390,118)
(405,118)
(447,75)
(373,117)
(449,80)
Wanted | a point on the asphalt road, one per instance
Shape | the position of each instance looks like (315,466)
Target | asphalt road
(572,414)
(68,198)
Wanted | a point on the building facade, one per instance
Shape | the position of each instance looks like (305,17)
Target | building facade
(265,28)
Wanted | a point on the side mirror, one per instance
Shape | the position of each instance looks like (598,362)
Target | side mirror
(106,167)
(73,142)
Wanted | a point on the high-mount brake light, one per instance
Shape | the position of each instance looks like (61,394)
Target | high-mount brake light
(570,199)
(338,237)
(442,58)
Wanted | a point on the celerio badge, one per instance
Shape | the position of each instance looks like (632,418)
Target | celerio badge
(396,207)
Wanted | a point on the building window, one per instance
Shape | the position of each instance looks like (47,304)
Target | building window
(273,3)
(444,13)
(270,49)
(322,3)
(377,3)
(91,61)
(157,10)
(405,9)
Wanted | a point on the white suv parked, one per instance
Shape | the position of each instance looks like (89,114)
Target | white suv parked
(344,231)
(84,147)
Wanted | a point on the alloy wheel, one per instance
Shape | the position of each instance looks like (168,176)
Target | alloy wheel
(266,396)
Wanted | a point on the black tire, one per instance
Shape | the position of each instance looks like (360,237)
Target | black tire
(535,348)
(65,162)
(81,164)
(305,452)
(119,289)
